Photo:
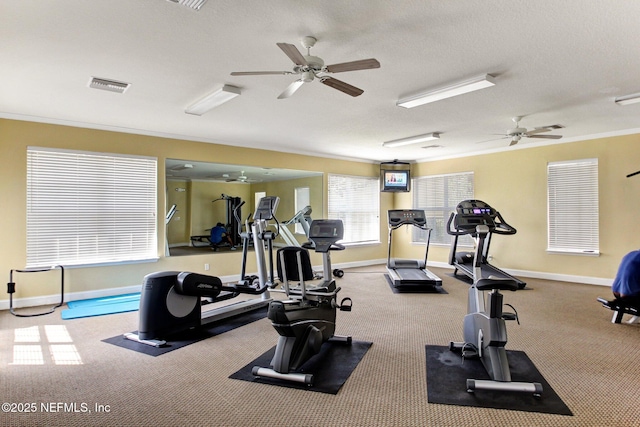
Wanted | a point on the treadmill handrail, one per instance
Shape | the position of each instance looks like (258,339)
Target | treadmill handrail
(498,227)
(421,227)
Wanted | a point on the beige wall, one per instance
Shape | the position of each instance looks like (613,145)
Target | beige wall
(514,182)
(16,136)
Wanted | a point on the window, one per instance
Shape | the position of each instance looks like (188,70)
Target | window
(572,206)
(439,195)
(356,201)
(301,201)
(90,208)
(257,196)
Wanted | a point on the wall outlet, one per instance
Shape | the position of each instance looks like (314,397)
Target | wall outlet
(206,267)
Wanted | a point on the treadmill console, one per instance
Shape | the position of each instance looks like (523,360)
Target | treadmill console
(398,217)
(326,232)
(471,213)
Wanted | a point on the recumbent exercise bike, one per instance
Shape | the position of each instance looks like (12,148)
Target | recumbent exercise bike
(484,327)
(307,319)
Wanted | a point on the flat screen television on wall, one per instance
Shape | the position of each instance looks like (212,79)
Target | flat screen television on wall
(396,180)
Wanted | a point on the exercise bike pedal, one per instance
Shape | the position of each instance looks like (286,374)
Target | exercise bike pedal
(345,304)
(509,316)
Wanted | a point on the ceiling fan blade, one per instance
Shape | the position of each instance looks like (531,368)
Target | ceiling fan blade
(363,64)
(259,73)
(538,130)
(293,53)
(342,86)
(291,89)
(544,136)
(493,139)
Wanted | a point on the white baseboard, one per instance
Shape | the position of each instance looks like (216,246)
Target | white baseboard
(600,281)
(73,296)
(55,299)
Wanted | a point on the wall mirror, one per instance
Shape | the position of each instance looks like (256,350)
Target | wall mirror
(205,194)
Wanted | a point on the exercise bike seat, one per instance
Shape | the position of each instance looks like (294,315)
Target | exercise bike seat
(499,284)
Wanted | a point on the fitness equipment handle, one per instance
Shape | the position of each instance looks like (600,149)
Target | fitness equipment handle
(500,227)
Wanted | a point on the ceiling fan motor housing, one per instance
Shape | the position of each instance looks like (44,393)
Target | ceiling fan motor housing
(516,131)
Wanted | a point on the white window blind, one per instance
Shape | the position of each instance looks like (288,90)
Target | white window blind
(356,201)
(90,208)
(438,196)
(573,206)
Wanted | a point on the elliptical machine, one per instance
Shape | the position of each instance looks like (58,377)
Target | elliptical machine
(484,327)
(171,301)
(307,319)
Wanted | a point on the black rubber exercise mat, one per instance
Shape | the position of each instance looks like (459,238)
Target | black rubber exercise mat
(330,367)
(447,383)
(185,338)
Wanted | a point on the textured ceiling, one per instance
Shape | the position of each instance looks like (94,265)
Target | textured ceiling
(554,62)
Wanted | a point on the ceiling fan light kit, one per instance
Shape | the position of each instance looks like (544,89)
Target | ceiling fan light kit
(628,99)
(213,100)
(412,140)
(459,88)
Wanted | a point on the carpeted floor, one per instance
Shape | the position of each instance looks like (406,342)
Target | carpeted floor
(65,375)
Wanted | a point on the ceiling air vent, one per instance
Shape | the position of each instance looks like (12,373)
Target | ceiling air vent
(192,4)
(110,85)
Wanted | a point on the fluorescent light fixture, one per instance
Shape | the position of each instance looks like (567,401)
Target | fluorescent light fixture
(476,83)
(108,85)
(192,4)
(412,140)
(628,99)
(215,99)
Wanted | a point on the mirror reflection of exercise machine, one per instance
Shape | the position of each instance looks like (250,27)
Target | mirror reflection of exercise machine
(167,220)
(232,226)
(470,213)
(484,327)
(302,217)
(171,302)
(307,319)
(405,273)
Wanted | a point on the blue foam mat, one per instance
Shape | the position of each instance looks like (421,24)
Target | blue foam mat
(100,310)
(116,299)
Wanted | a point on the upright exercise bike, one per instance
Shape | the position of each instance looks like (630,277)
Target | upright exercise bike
(484,327)
(307,319)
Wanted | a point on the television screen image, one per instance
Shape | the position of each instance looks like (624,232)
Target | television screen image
(395,180)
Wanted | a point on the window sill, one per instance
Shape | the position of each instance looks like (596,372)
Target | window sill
(575,252)
(359,244)
(106,264)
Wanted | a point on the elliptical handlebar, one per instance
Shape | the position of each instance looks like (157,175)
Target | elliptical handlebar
(238,219)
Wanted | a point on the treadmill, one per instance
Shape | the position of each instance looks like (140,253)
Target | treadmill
(410,273)
(468,215)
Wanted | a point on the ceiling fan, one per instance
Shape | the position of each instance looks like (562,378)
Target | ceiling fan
(240,178)
(517,133)
(310,67)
